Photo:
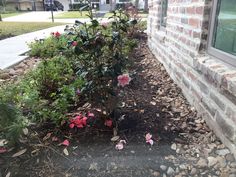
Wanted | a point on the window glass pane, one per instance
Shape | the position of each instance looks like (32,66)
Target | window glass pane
(225,30)
(164,6)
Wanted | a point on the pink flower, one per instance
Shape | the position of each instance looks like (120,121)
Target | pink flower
(74,43)
(150,141)
(57,34)
(120,145)
(3,150)
(72,125)
(78,121)
(108,123)
(90,114)
(123,80)
(148,138)
(65,143)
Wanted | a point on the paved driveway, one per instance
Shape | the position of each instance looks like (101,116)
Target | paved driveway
(39,16)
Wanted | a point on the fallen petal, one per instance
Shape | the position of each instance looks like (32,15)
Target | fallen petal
(150,141)
(65,143)
(90,114)
(72,125)
(123,141)
(119,146)
(3,150)
(148,136)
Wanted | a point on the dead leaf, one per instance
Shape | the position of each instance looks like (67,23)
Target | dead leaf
(19,153)
(65,151)
(25,131)
(8,174)
(47,136)
(115,138)
(153,103)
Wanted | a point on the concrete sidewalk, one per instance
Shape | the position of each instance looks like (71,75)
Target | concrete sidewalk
(12,50)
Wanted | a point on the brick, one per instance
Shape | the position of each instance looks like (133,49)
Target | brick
(194,22)
(228,95)
(186,82)
(209,107)
(231,113)
(203,87)
(217,101)
(199,10)
(225,126)
(232,87)
(191,10)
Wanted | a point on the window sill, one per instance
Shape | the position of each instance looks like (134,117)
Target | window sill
(161,35)
(221,74)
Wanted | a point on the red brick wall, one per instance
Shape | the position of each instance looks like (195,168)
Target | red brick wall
(208,84)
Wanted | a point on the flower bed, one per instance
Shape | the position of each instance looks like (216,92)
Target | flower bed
(78,81)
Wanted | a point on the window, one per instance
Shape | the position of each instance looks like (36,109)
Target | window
(222,38)
(164,6)
(107,1)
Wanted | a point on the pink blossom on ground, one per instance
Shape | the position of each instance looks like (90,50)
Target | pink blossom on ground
(65,143)
(3,150)
(148,138)
(108,123)
(72,125)
(90,114)
(150,142)
(78,91)
(120,145)
(78,121)
(123,80)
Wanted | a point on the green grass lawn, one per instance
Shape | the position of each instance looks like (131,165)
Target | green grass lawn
(72,14)
(10,29)
(10,14)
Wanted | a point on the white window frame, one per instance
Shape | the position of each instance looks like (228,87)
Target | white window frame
(224,56)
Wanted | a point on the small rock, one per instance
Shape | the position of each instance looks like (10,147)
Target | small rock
(222,152)
(193,171)
(173,147)
(170,171)
(232,175)
(233,164)
(163,167)
(224,174)
(156,173)
(230,158)
(4,76)
(211,161)
(164,175)
(183,167)
(202,163)
(222,161)
(93,166)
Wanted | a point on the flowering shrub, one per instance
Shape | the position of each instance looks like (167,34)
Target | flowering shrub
(89,63)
